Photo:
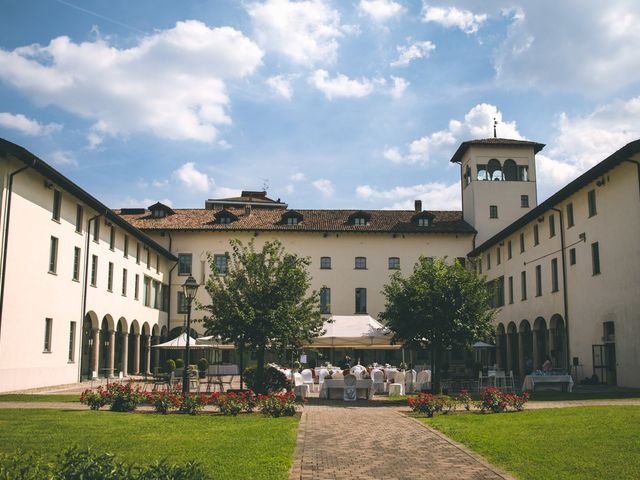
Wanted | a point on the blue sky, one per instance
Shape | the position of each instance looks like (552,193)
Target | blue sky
(331,104)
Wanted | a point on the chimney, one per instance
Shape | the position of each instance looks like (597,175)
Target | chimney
(247,210)
(418,205)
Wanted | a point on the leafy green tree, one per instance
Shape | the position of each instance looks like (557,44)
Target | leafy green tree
(439,306)
(262,302)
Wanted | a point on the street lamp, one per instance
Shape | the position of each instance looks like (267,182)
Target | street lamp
(189,288)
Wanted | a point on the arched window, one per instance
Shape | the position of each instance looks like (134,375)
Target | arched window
(510,170)
(482,172)
(467,175)
(494,169)
(523,173)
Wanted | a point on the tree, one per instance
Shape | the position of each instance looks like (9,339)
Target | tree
(439,306)
(261,302)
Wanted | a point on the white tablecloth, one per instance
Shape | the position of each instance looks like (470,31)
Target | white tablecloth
(364,388)
(531,380)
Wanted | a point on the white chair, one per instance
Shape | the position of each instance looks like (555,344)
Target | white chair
(500,380)
(409,381)
(350,393)
(509,383)
(423,380)
(307,378)
(358,371)
(323,373)
(378,380)
(299,387)
(397,387)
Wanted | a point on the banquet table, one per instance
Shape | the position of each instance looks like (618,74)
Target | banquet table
(334,389)
(564,381)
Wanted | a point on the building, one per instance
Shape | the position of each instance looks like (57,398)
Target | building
(142,257)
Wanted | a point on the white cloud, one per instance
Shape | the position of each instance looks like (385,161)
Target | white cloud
(434,196)
(340,85)
(477,123)
(324,186)
(289,189)
(226,192)
(191,178)
(380,10)
(398,87)
(26,125)
(297,177)
(281,85)
(595,53)
(61,157)
(142,203)
(413,51)
(306,32)
(171,83)
(160,183)
(452,17)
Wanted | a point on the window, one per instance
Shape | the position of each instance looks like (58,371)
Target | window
(155,293)
(148,257)
(509,250)
(53,255)
(523,173)
(157,263)
(498,256)
(125,247)
(110,277)
(146,287)
(220,262)
(48,325)
(124,282)
(524,201)
(572,256)
(224,219)
(79,217)
(72,341)
(554,275)
(359,221)
(57,203)
(570,221)
(523,285)
(510,290)
(112,238)
(591,197)
(184,264)
(423,222)
(325,263)
(361,300)
(394,263)
(76,263)
(536,235)
(521,242)
(538,280)
(291,220)
(94,270)
(552,226)
(182,303)
(493,211)
(164,294)
(595,258)
(325,300)
(488,260)
(136,287)
(499,292)
(96,230)
(361,263)
(138,253)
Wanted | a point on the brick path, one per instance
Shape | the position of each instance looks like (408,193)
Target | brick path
(369,442)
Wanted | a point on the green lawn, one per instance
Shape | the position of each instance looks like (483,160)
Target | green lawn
(566,443)
(20,397)
(243,447)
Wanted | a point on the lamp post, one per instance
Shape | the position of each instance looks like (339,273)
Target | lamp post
(189,288)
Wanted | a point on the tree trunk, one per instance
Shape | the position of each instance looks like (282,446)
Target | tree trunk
(437,371)
(259,386)
(241,348)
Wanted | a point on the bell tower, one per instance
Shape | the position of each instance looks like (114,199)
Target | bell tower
(498,179)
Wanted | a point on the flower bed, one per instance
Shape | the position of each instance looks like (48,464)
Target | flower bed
(121,397)
(492,400)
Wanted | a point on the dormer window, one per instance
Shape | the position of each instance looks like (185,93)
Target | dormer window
(423,222)
(224,217)
(359,218)
(291,217)
(158,213)
(160,210)
(423,219)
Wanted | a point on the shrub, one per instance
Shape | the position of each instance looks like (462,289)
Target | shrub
(203,363)
(164,401)
(274,379)
(170,366)
(465,399)
(123,397)
(425,403)
(192,403)
(179,363)
(229,404)
(95,400)
(278,404)
(492,400)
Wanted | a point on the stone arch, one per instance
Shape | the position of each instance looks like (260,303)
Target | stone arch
(525,347)
(121,348)
(558,341)
(540,342)
(512,347)
(135,327)
(90,344)
(163,333)
(494,169)
(145,348)
(501,346)
(510,170)
(106,347)
(133,348)
(155,331)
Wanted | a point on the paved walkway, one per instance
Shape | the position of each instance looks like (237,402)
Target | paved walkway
(369,442)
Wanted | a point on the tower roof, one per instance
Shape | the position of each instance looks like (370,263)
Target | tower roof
(503,142)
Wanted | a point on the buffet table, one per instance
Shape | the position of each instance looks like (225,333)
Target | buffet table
(334,389)
(565,382)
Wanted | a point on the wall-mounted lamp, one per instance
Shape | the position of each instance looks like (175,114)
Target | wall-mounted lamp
(540,219)
(48,184)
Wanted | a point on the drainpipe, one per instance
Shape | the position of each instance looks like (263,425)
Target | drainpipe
(169,286)
(564,284)
(5,237)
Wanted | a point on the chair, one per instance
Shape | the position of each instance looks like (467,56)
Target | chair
(509,383)
(378,380)
(307,378)
(176,376)
(350,393)
(500,380)
(358,371)
(409,381)
(299,387)
(323,373)
(397,387)
(423,380)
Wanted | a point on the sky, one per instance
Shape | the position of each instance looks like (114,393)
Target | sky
(325,103)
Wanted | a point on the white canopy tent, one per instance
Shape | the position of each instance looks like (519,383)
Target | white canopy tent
(180,343)
(213,341)
(354,331)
